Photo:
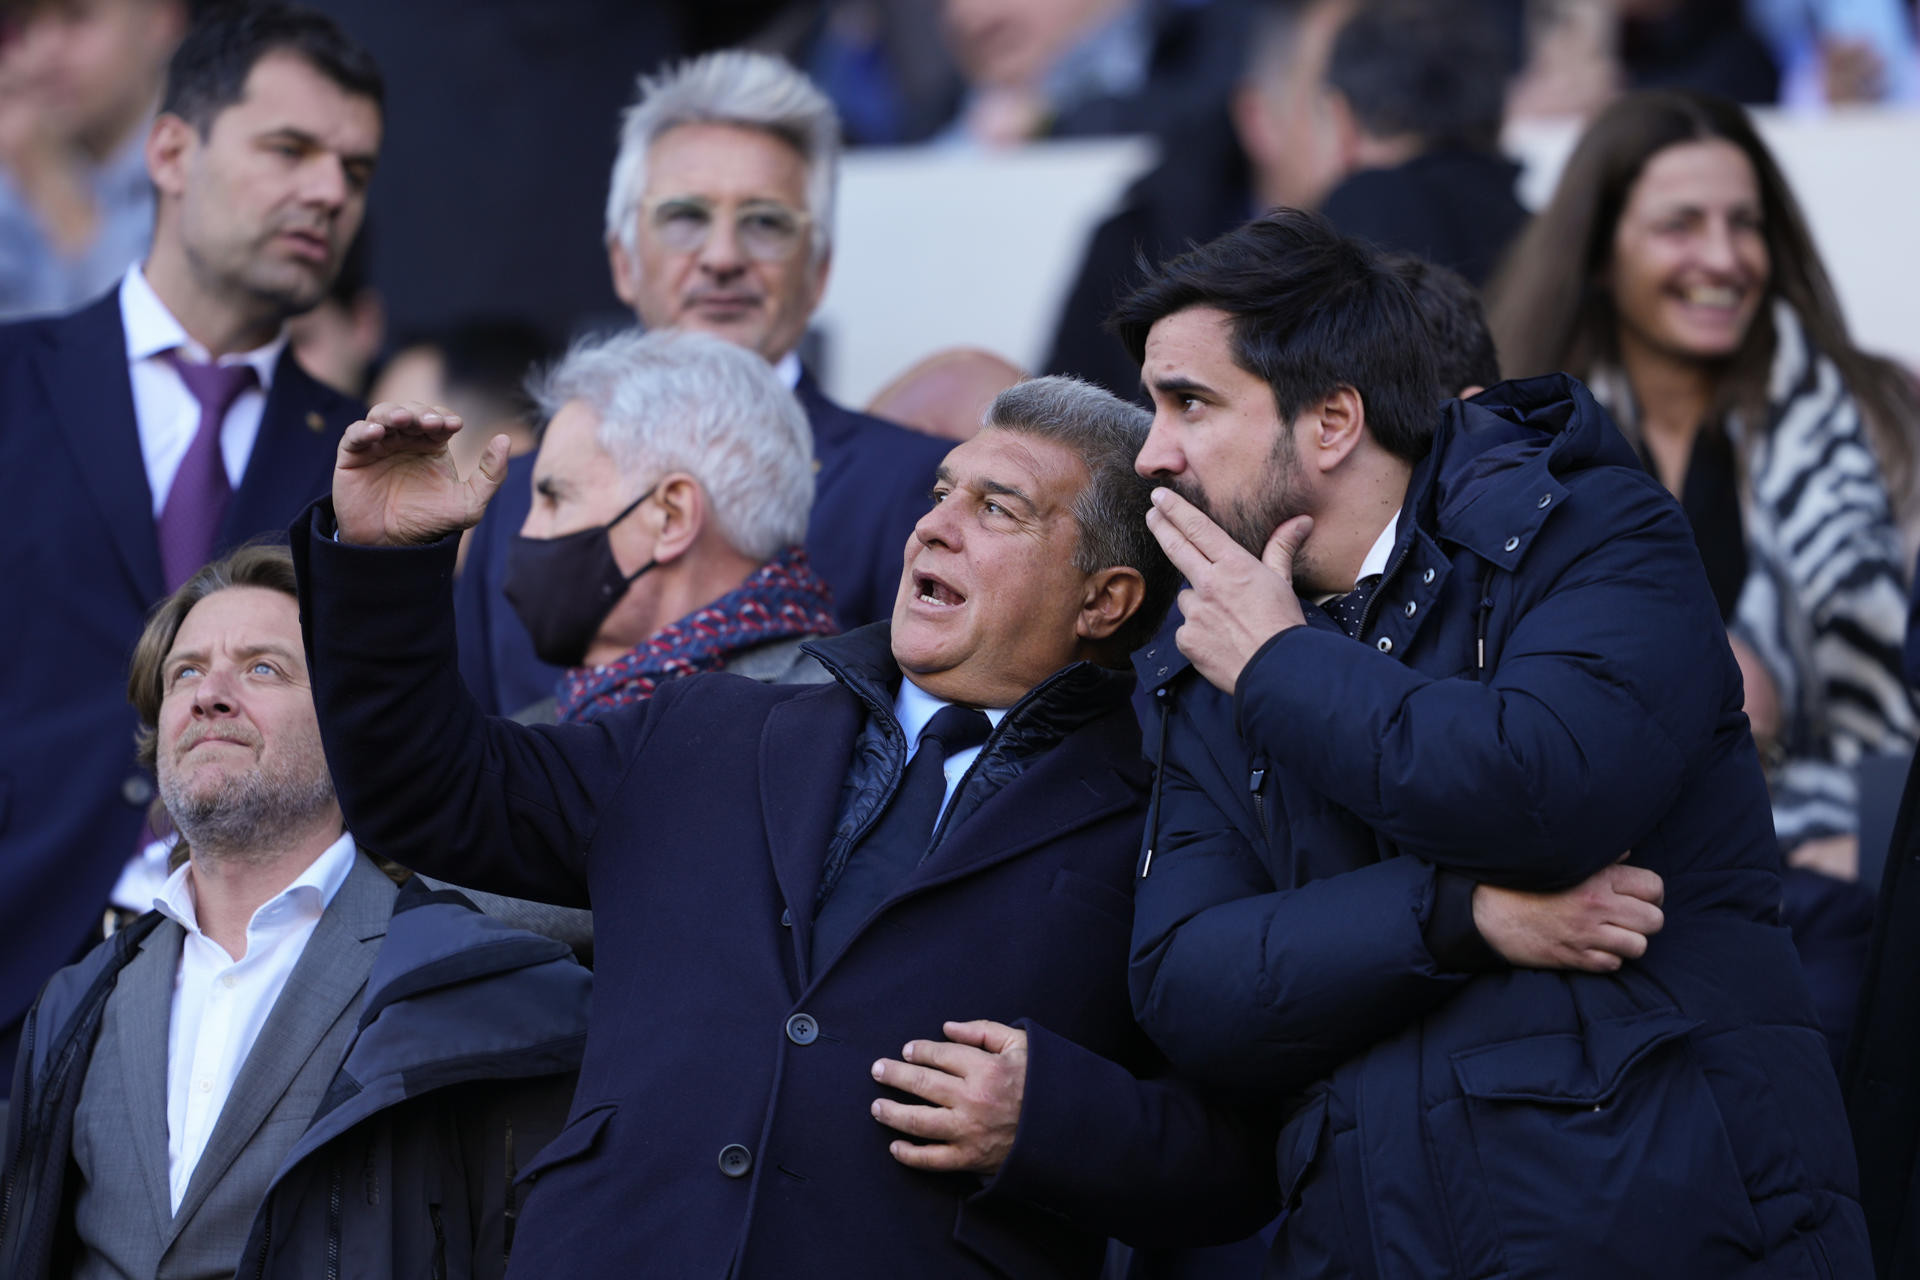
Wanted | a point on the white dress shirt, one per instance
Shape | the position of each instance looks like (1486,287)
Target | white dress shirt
(164,410)
(914,707)
(1377,556)
(787,369)
(220,1004)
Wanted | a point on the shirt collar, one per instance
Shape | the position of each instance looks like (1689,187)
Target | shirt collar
(787,369)
(913,707)
(1381,551)
(315,888)
(152,330)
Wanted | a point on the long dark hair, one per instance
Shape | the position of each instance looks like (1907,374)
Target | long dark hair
(1550,308)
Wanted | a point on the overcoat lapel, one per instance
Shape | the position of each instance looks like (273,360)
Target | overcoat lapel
(292,456)
(805,752)
(1060,792)
(144,998)
(84,376)
(330,974)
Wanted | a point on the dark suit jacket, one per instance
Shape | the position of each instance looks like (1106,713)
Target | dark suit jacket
(1451,206)
(722,1115)
(870,487)
(82,566)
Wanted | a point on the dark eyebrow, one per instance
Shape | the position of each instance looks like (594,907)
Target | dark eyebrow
(1179,386)
(549,487)
(943,474)
(291,133)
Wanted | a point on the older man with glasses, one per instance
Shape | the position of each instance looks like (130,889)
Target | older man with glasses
(719,218)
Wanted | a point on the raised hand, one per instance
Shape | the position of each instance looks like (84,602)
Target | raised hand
(976,1080)
(1596,926)
(1234,602)
(394,481)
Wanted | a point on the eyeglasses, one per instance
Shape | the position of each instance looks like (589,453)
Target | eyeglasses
(766,231)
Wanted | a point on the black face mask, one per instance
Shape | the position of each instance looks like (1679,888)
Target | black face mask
(563,588)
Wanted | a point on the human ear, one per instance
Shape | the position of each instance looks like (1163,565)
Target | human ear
(170,144)
(1337,423)
(682,505)
(625,271)
(1111,596)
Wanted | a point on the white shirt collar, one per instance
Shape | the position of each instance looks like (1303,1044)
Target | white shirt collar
(152,330)
(313,889)
(913,707)
(787,369)
(1382,550)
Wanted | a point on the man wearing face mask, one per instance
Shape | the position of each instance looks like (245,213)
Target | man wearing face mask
(670,496)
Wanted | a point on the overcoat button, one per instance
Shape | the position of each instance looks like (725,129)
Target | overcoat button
(136,790)
(802,1029)
(1384,644)
(1512,543)
(735,1160)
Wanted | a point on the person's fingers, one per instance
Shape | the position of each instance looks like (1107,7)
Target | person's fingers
(934,1157)
(940,1055)
(921,1082)
(361,436)
(1598,962)
(491,470)
(1285,544)
(1196,526)
(1637,882)
(1624,943)
(936,1123)
(1179,548)
(994,1037)
(1633,913)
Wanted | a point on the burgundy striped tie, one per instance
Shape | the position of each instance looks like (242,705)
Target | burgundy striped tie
(190,520)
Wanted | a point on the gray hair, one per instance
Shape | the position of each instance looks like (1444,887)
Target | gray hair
(733,86)
(1107,434)
(682,401)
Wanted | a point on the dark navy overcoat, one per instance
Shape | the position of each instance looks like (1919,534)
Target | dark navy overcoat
(1542,684)
(722,1122)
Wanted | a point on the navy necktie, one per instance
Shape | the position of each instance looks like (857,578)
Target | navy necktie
(190,520)
(1349,609)
(895,844)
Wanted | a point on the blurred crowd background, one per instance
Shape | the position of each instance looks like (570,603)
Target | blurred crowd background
(990,140)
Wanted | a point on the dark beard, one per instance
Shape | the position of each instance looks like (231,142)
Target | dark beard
(1251,523)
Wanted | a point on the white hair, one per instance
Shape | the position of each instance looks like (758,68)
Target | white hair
(682,401)
(733,86)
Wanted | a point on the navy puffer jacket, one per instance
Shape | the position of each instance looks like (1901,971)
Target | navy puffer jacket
(1542,684)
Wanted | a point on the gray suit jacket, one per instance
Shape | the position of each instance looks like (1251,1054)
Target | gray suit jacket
(122,1213)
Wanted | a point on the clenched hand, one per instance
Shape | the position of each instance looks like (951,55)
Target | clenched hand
(976,1079)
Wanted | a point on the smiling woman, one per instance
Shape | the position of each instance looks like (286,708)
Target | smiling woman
(1674,272)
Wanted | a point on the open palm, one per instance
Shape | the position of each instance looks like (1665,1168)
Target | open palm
(394,482)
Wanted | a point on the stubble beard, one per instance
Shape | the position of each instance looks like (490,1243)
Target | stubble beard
(246,817)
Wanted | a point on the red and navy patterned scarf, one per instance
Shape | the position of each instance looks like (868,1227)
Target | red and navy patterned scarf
(782,598)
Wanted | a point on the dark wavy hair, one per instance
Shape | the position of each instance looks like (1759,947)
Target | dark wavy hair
(209,70)
(1550,308)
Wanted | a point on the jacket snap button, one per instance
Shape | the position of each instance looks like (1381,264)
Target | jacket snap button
(136,790)
(1384,644)
(786,918)
(1512,543)
(1412,608)
(1427,576)
(735,1160)
(1545,498)
(802,1029)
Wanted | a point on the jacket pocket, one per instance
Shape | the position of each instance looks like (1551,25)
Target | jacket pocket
(1605,1146)
(577,1141)
(1315,1237)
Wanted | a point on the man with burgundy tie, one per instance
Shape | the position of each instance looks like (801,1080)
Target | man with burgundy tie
(157,427)
(860,1004)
